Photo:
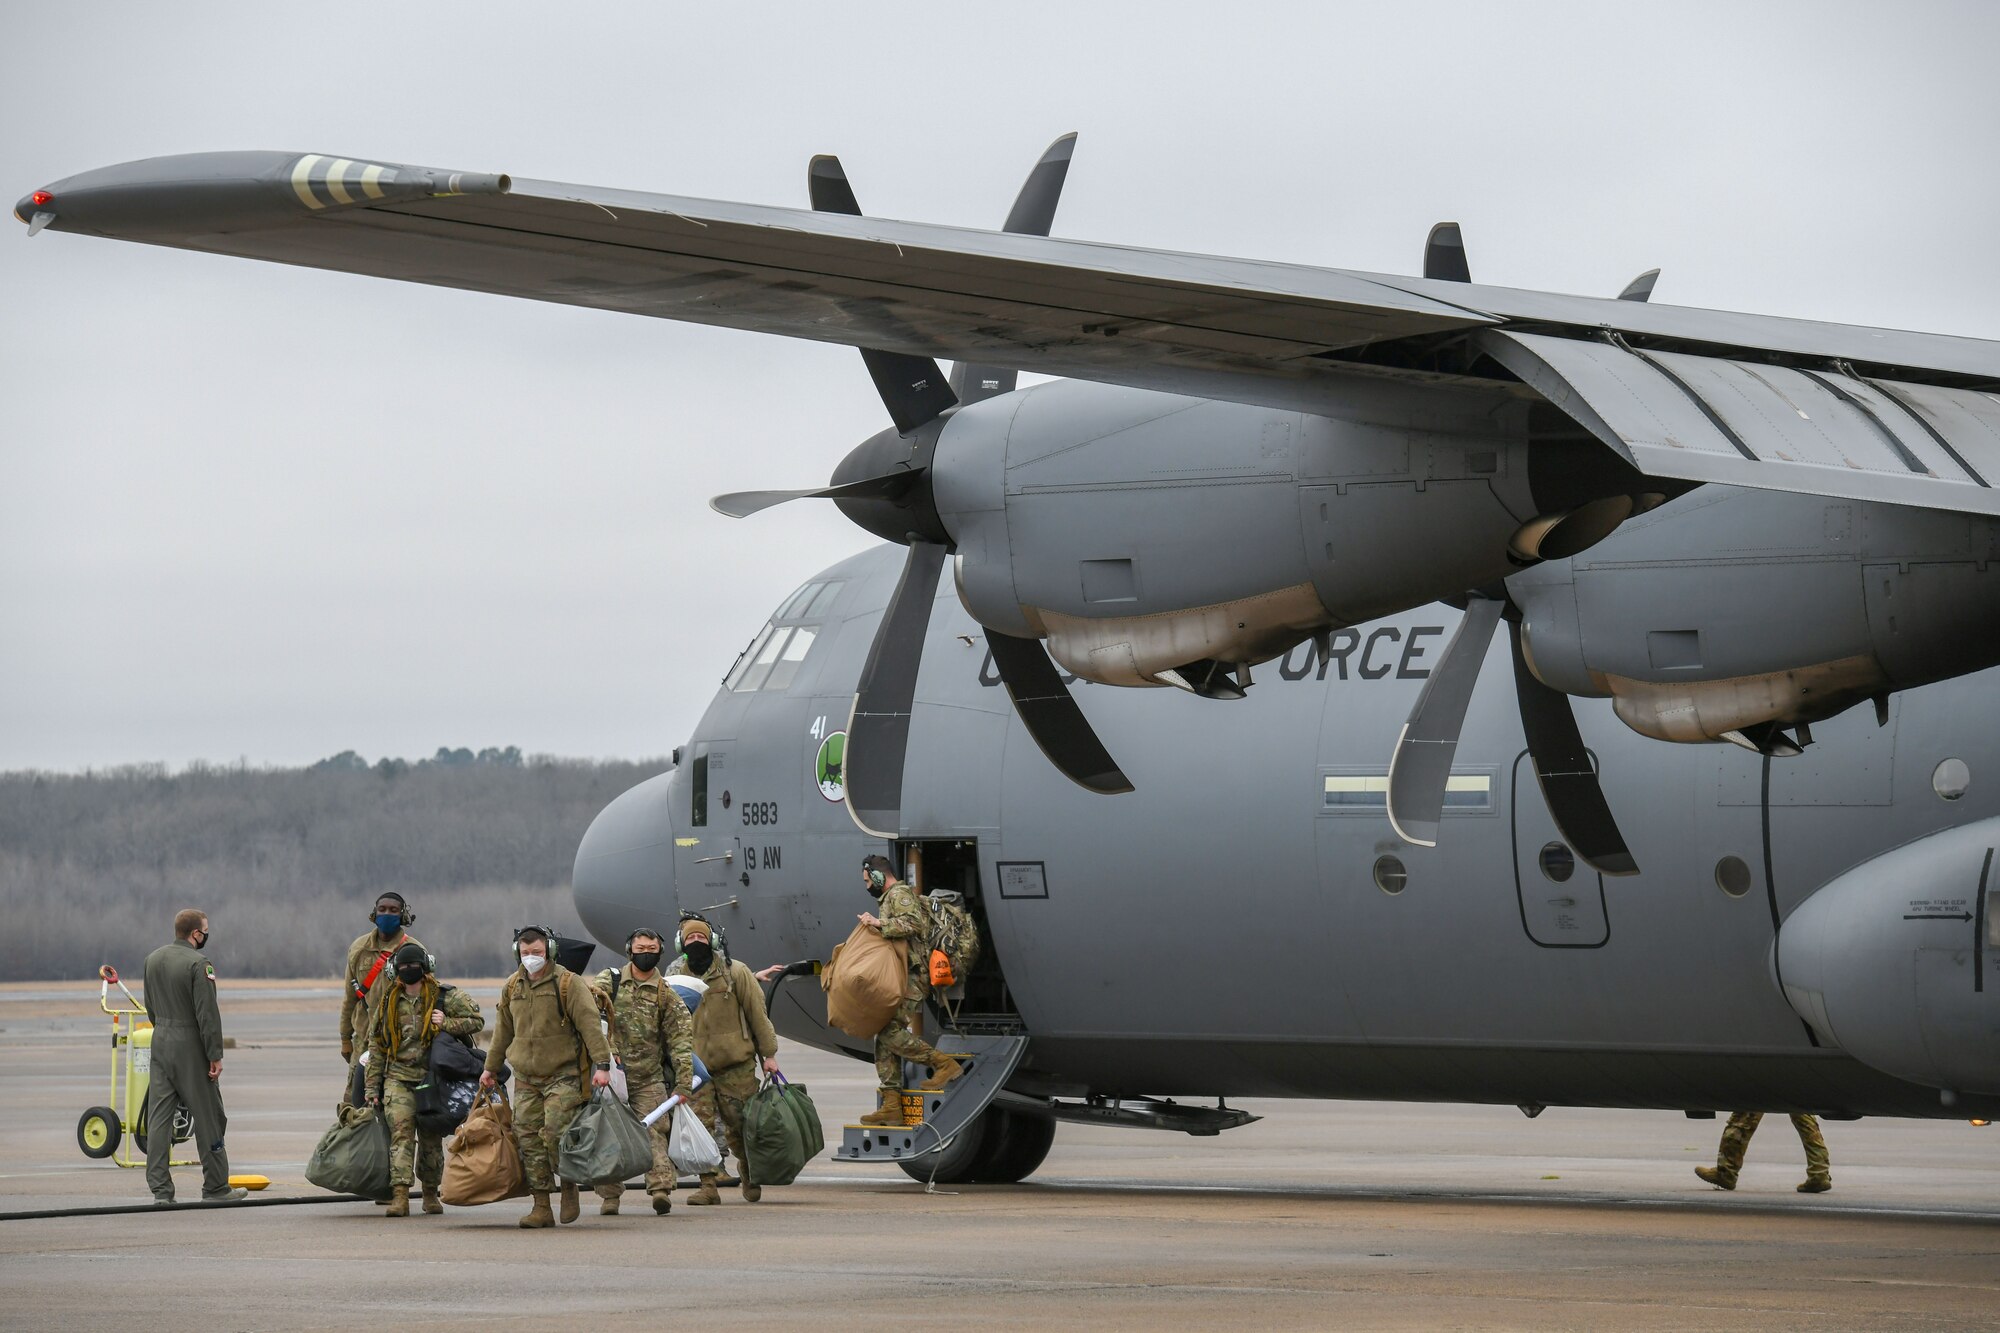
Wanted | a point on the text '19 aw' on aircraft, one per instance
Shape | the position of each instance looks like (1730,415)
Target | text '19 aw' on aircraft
(1378,853)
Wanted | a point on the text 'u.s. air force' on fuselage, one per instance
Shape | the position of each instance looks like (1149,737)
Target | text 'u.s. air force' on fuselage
(1378,653)
(1733,527)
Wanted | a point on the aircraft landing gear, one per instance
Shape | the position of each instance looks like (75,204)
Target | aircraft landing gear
(1002,1146)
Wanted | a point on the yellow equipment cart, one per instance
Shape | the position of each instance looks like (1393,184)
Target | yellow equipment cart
(103,1132)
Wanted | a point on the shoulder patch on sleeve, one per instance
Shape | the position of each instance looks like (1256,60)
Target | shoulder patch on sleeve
(210,969)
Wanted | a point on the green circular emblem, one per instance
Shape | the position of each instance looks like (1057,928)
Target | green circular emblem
(829,767)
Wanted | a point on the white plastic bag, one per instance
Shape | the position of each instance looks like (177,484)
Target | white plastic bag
(691,1147)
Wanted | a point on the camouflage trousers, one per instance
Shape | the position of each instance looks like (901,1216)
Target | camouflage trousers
(1736,1141)
(642,1098)
(720,1101)
(406,1141)
(543,1108)
(899,1042)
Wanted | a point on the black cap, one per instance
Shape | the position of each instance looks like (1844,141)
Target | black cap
(542,933)
(411,953)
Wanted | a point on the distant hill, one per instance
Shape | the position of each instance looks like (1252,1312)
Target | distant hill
(288,861)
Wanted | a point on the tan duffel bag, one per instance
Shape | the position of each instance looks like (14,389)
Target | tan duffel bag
(482,1162)
(864,981)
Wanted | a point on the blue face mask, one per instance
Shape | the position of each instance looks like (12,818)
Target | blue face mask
(389,923)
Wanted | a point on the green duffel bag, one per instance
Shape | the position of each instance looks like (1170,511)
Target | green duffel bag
(780,1133)
(605,1144)
(353,1156)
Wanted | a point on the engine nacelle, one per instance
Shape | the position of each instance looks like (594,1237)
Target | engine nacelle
(1730,608)
(1894,961)
(1146,534)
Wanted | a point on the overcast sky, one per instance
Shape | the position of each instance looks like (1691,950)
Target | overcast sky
(255,512)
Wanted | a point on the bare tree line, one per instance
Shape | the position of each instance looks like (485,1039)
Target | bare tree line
(288,862)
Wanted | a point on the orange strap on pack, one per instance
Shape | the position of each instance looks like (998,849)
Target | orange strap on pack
(362,987)
(941,973)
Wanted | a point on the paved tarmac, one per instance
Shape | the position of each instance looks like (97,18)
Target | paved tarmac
(1367,1215)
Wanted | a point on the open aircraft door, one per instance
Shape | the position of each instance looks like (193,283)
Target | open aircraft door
(1561,898)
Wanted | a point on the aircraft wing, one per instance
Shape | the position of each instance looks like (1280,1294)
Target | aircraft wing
(1713,396)
(1218,327)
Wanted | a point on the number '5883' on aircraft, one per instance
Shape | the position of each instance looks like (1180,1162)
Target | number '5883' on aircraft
(1214,723)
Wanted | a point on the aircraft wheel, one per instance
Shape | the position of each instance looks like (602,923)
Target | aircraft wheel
(957,1163)
(1015,1146)
(98,1132)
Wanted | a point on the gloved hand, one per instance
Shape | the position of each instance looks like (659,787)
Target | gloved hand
(347,1052)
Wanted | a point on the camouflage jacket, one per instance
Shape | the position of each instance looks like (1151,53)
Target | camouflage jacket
(406,1055)
(547,1027)
(650,1027)
(905,916)
(361,956)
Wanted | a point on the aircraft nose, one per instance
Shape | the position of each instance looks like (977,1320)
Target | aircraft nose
(624,873)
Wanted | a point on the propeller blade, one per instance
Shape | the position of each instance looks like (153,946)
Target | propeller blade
(913,388)
(742,504)
(1052,716)
(878,730)
(1563,766)
(1034,212)
(1641,287)
(1444,254)
(1421,765)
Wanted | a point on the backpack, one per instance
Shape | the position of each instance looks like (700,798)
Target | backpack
(954,939)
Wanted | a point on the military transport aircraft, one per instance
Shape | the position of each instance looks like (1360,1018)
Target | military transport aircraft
(1368,870)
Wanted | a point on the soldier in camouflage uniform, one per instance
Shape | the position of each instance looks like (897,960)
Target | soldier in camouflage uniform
(652,1036)
(368,962)
(1736,1141)
(731,1033)
(406,1017)
(905,916)
(548,1024)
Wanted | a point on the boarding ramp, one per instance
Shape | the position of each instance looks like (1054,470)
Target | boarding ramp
(932,1119)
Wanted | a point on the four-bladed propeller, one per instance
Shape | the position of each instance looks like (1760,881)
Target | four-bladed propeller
(893,499)
(1420,769)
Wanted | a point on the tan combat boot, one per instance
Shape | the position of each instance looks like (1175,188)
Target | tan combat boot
(1816,1185)
(539,1215)
(942,1073)
(706,1194)
(752,1193)
(572,1207)
(890,1112)
(432,1203)
(607,1205)
(1720,1177)
(663,1204)
(399,1202)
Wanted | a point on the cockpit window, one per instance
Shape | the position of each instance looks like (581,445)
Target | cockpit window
(822,601)
(734,680)
(761,660)
(787,665)
(772,660)
(795,605)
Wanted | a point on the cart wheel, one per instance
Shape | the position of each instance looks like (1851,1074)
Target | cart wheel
(98,1132)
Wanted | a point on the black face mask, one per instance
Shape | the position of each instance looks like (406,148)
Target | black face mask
(206,936)
(410,975)
(645,962)
(700,955)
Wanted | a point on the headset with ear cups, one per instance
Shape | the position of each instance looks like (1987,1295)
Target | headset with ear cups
(402,908)
(548,940)
(716,939)
(637,931)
